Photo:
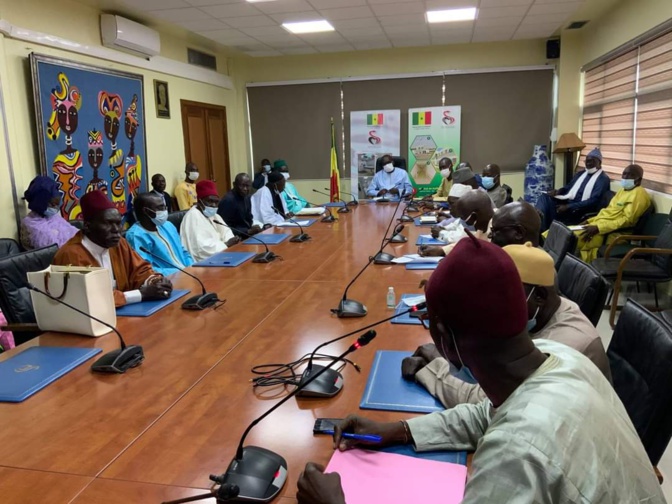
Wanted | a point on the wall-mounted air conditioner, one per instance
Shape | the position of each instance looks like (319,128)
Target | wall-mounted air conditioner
(126,35)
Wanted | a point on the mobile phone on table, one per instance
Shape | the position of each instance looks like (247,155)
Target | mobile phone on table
(325,424)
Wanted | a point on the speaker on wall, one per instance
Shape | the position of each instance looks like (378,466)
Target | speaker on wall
(553,49)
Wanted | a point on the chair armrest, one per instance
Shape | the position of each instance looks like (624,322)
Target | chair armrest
(623,238)
(639,250)
(19,327)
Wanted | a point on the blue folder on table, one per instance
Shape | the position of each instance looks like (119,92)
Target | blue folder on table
(387,390)
(455,457)
(147,308)
(36,367)
(423,240)
(421,266)
(268,239)
(225,259)
(335,204)
(402,307)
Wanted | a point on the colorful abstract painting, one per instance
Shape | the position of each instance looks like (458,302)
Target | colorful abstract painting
(91,131)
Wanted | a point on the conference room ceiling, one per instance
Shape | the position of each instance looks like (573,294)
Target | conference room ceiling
(255,28)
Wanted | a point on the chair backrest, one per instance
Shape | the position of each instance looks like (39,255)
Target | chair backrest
(509,193)
(175,218)
(643,220)
(652,225)
(79,224)
(664,241)
(640,357)
(583,284)
(559,242)
(606,198)
(8,247)
(397,161)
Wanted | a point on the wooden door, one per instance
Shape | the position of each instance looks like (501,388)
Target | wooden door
(206,142)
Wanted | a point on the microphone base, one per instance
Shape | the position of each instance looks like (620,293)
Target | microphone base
(120,360)
(328,218)
(259,475)
(344,209)
(200,302)
(349,308)
(299,238)
(412,208)
(353,203)
(264,257)
(328,384)
(398,238)
(406,218)
(383,258)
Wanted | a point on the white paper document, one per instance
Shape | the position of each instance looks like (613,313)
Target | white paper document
(296,223)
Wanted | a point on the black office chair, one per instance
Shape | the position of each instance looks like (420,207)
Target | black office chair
(175,218)
(509,194)
(640,357)
(397,161)
(583,284)
(9,247)
(79,224)
(15,301)
(559,242)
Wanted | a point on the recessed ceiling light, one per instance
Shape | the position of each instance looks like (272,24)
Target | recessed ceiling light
(448,15)
(308,27)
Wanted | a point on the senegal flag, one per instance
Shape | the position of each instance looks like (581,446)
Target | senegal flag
(422,118)
(335,179)
(374,119)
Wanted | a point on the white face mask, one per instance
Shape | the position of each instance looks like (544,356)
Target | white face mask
(286,175)
(389,168)
(267,168)
(193,175)
(209,212)
(590,171)
(445,173)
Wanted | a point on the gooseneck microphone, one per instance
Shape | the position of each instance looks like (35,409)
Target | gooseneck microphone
(256,474)
(383,257)
(354,201)
(341,209)
(116,361)
(330,382)
(198,302)
(262,257)
(298,238)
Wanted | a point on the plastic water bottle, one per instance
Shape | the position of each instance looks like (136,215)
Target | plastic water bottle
(391,298)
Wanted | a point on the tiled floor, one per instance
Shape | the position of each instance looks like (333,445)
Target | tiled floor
(665,465)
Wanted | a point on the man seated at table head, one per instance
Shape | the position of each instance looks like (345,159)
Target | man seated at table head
(159,187)
(155,233)
(261,178)
(390,180)
(583,195)
(514,224)
(491,182)
(100,244)
(236,207)
(624,210)
(268,206)
(203,232)
(293,200)
(550,317)
(552,428)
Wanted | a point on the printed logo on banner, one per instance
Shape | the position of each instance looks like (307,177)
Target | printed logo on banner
(373,138)
(375,119)
(448,120)
(422,118)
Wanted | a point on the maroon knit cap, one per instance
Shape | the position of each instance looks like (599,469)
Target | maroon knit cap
(206,188)
(93,203)
(477,292)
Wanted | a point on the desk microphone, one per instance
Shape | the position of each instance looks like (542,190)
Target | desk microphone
(341,209)
(330,382)
(354,201)
(262,257)
(197,302)
(256,474)
(298,238)
(116,361)
(383,257)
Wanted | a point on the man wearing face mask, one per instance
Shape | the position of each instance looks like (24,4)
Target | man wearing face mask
(624,210)
(203,231)
(583,194)
(293,200)
(185,192)
(446,171)
(268,206)
(153,232)
(261,178)
(390,180)
(551,429)
(490,180)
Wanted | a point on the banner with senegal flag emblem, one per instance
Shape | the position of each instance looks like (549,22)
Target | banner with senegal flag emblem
(433,133)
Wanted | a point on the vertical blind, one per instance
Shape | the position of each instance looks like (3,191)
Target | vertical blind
(628,112)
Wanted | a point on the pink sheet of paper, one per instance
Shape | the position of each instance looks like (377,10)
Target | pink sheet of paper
(371,476)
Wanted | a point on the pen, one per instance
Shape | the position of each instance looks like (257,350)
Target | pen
(359,437)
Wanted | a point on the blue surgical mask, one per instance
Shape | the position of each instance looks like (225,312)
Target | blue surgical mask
(464,373)
(160,218)
(50,212)
(628,184)
(532,323)
(267,168)
(209,211)
(488,182)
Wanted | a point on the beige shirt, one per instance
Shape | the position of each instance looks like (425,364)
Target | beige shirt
(568,325)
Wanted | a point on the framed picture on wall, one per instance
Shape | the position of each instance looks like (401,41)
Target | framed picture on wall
(161,99)
(90,130)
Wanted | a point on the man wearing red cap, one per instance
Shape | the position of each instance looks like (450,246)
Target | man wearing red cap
(203,231)
(552,429)
(100,244)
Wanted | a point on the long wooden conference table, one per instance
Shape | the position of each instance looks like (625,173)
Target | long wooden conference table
(157,432)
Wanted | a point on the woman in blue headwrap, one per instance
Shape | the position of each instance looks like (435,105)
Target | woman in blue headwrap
(44,225)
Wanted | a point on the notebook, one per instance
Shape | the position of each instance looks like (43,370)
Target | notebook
(36,367)
(402,307)
(428,240)
(377,476)
(418,222)
(455,457)
(147,308)
(387,390)
(268,239)
(226,259)
(422,266)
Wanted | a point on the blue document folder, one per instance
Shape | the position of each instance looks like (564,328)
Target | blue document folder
(226,259)
(423,240)
(421,266)
(36,367)
(387,390)
(455,457)
(268,239)
(147,308)
(402,307)
(335,204)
